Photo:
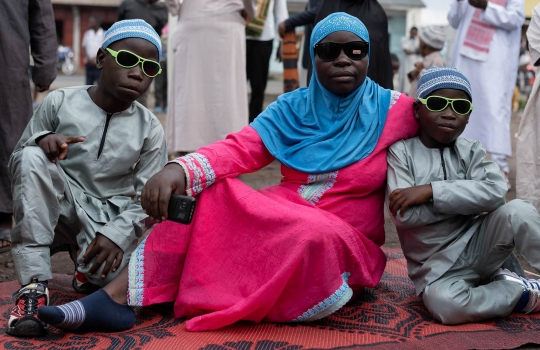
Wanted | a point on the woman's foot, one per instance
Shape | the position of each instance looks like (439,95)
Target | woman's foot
(96,312)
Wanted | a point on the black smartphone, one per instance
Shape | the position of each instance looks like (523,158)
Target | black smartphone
(181,208)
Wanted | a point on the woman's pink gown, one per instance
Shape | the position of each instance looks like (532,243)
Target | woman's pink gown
(292,252)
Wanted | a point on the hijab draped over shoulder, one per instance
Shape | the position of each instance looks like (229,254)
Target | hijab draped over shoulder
(315,131)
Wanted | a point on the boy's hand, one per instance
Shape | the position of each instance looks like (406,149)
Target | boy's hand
(402,198)
(56,145)
(158,189)
(105,251)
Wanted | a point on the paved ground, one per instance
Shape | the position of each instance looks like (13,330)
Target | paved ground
(270,175)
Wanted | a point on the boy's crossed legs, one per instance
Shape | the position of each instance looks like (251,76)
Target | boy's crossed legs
(464,293)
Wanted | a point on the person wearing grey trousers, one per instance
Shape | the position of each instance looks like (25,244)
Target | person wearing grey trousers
(457,243)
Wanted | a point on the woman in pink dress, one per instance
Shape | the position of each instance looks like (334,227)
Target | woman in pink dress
(297,251)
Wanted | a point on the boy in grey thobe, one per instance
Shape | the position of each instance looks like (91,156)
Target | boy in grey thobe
(95,190)
(448,204)
(79,169)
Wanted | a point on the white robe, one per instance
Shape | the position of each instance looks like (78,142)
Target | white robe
(408,61)
(528,141)
(208,92)
(492,81)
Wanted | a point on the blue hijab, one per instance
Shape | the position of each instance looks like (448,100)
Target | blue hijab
(315,131)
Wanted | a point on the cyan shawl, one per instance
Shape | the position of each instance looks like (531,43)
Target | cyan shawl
(315,131)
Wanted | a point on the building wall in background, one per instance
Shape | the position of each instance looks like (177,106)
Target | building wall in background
(72,16)
(397,25)
(72,22)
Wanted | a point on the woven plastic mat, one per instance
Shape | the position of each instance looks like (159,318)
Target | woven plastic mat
(390,316)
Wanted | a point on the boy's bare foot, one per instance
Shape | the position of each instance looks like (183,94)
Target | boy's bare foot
(4,243)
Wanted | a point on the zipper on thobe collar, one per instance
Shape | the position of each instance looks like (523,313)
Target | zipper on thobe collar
(107,121)
(441,150)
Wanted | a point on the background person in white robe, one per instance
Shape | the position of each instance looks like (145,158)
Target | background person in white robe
(208,91)
(411,49)
(486,51)
(528,141)
(432,40)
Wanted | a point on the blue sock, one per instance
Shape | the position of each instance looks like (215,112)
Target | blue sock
(95,312)
(523,301)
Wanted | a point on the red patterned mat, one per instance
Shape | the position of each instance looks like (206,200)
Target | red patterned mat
(387,317)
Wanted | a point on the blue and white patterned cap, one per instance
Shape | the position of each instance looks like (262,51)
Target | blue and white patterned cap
(436,78)
(132,28)
(338,21)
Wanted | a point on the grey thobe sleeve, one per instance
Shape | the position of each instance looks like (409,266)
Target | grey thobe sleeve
(483,190)
(43,122)
(42,41)
(153,157)
(400,175)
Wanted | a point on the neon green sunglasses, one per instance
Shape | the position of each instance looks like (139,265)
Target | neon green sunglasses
(438,103)
(127,59)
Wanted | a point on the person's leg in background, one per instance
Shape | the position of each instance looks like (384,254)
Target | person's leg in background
(160,86)
(257,64)
(89,78)
(6,206)
(502,161)
(34,93)
(92,74)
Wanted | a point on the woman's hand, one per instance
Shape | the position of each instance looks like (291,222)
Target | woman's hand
(157,191)
(402,198)
(56,145)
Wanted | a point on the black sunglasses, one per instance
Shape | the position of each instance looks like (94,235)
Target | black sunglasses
(355,50)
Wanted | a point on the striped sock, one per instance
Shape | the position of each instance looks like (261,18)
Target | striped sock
(95,312)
